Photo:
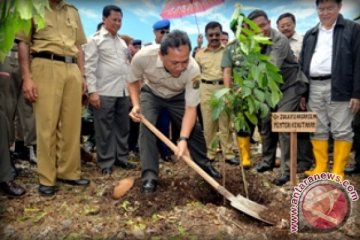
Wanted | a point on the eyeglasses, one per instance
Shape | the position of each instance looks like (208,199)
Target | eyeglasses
(213,35)
(164,31)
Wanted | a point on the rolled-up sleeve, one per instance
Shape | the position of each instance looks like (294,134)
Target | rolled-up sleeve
(136,70)
(91,61)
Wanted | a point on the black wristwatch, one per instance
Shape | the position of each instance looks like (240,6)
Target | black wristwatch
(182,138)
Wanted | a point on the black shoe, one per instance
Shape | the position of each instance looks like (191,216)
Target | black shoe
(126,165)
(149,186)
(11,188)
(281,180)
(106,171)
(78,182)
(352,170)
(233,161)
(47,190)
(263,167)
(209,169)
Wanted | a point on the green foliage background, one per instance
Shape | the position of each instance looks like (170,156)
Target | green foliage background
(16,16)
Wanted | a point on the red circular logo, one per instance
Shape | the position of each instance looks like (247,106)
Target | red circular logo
(325,206)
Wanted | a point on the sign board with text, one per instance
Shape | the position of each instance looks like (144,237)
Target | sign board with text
(293,122)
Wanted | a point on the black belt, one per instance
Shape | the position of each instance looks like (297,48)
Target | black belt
(47,55)
(325,77)
(214,82)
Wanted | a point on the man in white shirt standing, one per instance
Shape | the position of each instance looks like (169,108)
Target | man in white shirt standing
(106,70)
(286,24)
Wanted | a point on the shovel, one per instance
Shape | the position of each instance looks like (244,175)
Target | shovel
(239,202)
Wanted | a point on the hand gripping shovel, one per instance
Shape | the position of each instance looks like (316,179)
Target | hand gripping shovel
(239,202)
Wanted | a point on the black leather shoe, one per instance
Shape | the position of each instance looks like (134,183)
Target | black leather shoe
(11,188)
(233,161)
(149,186)
(126,165)
(209,169)
(263,167)
(352,170)
(47,190)
(78,182)
(281,180)
(106,171)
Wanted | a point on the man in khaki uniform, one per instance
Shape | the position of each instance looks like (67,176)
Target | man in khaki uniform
(209,60)
(54,83)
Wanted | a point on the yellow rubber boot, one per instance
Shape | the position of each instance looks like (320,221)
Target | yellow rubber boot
(342,150)
(320,150)
(244,147)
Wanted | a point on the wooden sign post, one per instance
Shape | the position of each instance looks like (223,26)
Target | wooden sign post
(293,122)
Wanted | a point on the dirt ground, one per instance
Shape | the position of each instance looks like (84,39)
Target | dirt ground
(183,207)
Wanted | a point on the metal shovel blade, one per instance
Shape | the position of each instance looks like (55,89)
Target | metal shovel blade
(239,202)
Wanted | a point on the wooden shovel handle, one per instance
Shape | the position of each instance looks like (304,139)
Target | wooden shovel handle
(188,160)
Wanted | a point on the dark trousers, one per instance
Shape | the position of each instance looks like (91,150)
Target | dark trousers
(133,136)
(13,103)
(163,124)
(290,103)
(6,170)
(151,106)
(111,123)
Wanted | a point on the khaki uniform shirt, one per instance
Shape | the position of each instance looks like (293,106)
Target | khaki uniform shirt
(209,61)
(147,65)
(62,33)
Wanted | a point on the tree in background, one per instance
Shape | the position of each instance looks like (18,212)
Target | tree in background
(17,16)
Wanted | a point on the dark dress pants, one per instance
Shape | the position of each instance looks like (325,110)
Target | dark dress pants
(111,123)
(151,106)
(6,169)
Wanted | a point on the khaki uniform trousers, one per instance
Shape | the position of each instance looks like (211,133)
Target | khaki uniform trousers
(211,127)
(58,119)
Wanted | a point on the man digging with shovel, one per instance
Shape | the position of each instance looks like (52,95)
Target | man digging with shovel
(171,80)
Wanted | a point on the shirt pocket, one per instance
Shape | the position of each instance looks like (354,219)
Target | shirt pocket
(70,25)
(47,33)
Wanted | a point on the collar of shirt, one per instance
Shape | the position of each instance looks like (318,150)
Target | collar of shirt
(322,28)
(214,50)
(105,32)
(295,37)
(60,5)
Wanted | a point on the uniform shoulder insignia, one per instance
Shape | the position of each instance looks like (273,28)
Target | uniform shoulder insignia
(196,81)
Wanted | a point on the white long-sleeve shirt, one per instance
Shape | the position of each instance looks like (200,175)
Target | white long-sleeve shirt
(106,64)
